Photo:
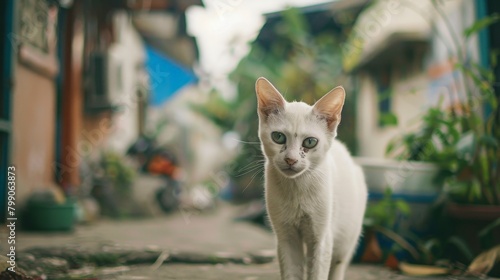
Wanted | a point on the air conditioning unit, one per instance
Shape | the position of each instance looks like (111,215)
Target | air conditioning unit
(104,86)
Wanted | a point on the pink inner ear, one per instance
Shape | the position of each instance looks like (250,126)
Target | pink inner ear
(268,97)
(331,120)
(330,106)
(270,105)
(268,110)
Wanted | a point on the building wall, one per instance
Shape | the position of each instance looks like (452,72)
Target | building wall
(128,52)
(82,134)
(33,135)
(33,98)
(408,102)
(412,94)
(97,131)
(119,129)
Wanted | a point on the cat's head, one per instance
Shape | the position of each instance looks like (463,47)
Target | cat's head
(296,136)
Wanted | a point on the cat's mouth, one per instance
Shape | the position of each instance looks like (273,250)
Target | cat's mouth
(290,171)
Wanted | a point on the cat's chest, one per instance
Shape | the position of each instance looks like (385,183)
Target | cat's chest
(293,206)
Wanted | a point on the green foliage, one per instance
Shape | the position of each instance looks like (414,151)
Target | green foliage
(465,139)
(437,140)
(453,247)
(386,212)
(219,110)
(486,235)
(478,149)
(384,217)
(115,169)
(388,119)
(461,247)
(301,65)
(481,24)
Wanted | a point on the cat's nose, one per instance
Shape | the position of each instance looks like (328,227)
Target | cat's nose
(290,161)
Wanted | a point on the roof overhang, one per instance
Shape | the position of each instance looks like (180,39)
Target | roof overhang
(162,5)
(383,32)
(393,46)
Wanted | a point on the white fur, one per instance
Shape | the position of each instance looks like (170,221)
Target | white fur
(317,209)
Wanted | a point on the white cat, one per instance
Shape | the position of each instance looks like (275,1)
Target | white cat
(315,193)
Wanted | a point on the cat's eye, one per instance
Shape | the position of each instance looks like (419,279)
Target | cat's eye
(278,137)
(310,143)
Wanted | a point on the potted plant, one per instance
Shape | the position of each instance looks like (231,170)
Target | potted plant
(464,141)
(474,185)
(113,178)
(421,162)
(382,226)
(49,210)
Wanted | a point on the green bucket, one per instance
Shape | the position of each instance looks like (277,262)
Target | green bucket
(50,216)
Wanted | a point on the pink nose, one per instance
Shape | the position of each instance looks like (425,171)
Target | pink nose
(290,161)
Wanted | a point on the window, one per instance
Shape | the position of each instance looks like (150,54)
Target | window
(384,96)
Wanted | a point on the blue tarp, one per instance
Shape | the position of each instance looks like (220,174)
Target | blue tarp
(166,76)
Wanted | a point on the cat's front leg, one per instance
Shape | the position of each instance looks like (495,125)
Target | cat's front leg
(319,257)
(290,254)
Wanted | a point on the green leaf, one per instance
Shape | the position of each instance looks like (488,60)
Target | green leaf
(432,245)
(494,57)
(475,191)
(481,24)
(390,147)
(490,227)
(461,245)
(466,144)
(369,222)
(387,193)
(486,235)
(388,119)
(403,207)
(489,141)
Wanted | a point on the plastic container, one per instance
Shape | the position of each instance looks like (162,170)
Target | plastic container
(50,216)
(403,177)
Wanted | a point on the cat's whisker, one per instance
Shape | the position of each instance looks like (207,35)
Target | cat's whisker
(262,176)
(246,142)
(251,170)
(252,164)
(251,180)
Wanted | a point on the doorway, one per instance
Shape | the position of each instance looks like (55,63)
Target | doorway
(6,14)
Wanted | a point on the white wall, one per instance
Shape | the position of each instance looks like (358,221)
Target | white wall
(412,95)
(128,52)
(408,102)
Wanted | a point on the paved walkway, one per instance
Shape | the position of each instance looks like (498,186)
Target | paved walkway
(214,232)
(210,232)
(244,272)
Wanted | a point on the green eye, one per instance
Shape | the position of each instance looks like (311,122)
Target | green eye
(310,143)
(278,137)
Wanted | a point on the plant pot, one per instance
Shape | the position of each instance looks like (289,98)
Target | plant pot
(487,213)
(411,181)
(468,220)
(50,216)
(403,177)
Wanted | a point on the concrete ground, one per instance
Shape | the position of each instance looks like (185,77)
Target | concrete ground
(242,272)
(210,232)
(214,232)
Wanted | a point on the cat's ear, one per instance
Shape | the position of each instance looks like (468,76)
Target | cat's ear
(330,106)
(269,99)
